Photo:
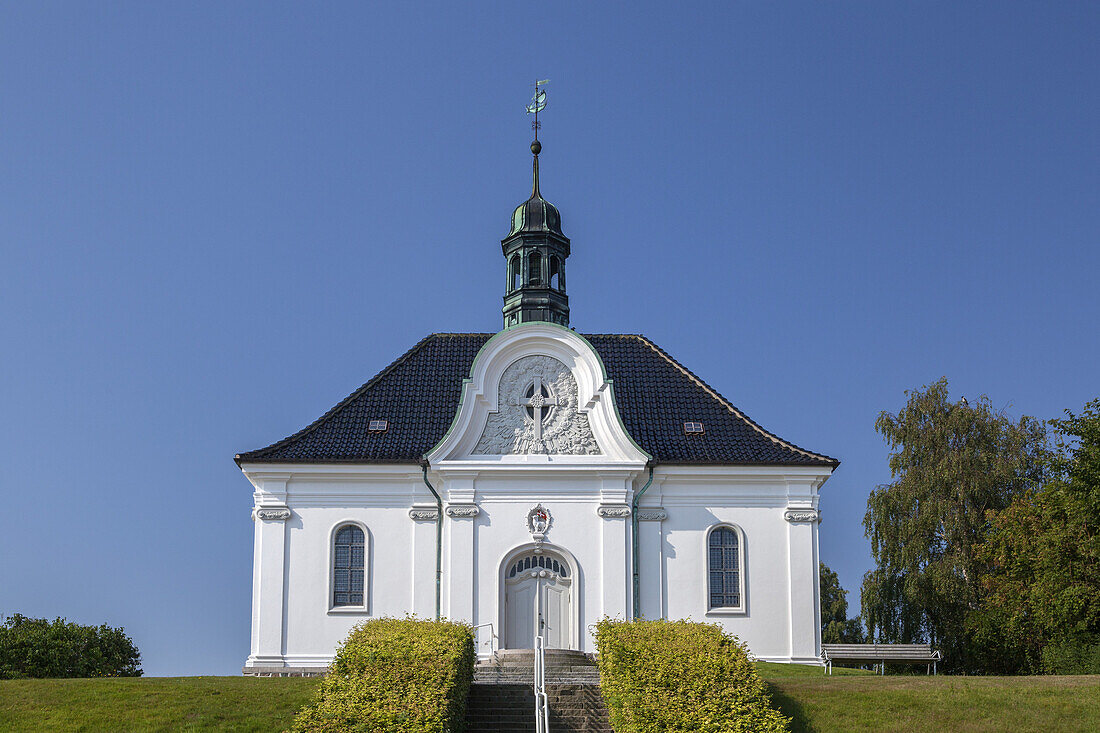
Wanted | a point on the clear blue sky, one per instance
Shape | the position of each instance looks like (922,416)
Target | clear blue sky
(217,219)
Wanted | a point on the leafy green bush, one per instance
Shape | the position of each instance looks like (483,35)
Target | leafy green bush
(673,676)
(1072,656)
(395,675)
(35,647)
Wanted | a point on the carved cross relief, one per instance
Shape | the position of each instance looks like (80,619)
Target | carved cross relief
(537,412)
(538,399)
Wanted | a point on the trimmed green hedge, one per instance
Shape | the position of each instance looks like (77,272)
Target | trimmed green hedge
(395,675)
(672,676)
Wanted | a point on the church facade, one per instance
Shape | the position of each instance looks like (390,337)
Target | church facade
(531,482)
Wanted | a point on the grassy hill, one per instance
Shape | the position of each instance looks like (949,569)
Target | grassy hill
(153,704)
(855,700)
(848,700)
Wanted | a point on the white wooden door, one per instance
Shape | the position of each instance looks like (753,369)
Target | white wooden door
(555,613)
(537,601)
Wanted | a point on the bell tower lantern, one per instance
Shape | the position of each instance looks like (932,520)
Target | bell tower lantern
(535,251)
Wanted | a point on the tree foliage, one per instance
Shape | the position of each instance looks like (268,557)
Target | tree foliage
(836,627)
(1043,588)
(952,463)
(35,647)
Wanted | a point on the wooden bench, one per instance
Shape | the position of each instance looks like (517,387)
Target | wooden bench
(879,654)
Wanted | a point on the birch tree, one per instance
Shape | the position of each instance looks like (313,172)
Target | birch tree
(952,463)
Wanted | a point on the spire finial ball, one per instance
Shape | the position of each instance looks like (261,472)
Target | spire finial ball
(536,147)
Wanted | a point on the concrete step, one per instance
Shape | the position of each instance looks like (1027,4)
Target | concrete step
(510,708)
(516,666)
(529,676)
(529,671)
(530,667)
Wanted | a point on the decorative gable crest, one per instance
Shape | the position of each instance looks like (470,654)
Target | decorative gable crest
(537,398)
(537,395)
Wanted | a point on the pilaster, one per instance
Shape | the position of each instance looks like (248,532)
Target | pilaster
(614,545)
(269,573)
(460,537)
(651,555)
(422,530)
(802,523)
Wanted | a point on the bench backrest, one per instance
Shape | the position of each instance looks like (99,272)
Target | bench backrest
(878,651)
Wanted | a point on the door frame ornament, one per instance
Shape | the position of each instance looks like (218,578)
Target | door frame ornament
(539,520)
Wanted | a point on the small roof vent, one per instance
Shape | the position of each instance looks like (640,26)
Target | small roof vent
(693,428)
(378,426)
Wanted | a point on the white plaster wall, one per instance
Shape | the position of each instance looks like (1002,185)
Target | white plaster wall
(780,618)
(294,564)
(765,622)
(293,621)
(312,627)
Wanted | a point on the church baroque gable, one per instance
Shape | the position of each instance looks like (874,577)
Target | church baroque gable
(537,399)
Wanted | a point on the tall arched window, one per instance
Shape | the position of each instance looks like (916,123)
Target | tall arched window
(349,554)
(534,269)
(513,273)
(555,269)
(725,580)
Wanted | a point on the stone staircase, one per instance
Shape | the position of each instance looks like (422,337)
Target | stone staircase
(502,698)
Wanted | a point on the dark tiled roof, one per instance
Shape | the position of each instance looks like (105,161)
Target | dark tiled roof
(419,395)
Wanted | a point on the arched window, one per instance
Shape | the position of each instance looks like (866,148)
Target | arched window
(555,270)
(513,273)
(725,579)
(538,561)
(349,554)
(534,269)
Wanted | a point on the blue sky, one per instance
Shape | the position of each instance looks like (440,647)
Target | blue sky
(218,219)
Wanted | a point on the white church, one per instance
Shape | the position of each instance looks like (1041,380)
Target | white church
(533,481)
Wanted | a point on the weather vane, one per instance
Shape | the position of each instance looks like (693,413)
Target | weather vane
(538,103)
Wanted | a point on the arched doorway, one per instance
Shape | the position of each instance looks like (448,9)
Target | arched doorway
(538,599)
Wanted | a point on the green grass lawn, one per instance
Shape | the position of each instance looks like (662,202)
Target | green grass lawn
(856,700)
(153,704)
(849,700)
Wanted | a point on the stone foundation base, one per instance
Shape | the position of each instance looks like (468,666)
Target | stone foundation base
(285,671)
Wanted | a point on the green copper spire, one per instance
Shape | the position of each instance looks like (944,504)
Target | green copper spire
(535,251)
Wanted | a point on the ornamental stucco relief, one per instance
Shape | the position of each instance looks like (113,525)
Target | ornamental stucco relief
(561,428)
(802,515)
(271,514)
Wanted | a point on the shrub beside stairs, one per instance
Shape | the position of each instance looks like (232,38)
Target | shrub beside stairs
(502,698)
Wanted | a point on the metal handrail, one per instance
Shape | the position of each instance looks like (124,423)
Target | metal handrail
(542,703)
(493,640)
